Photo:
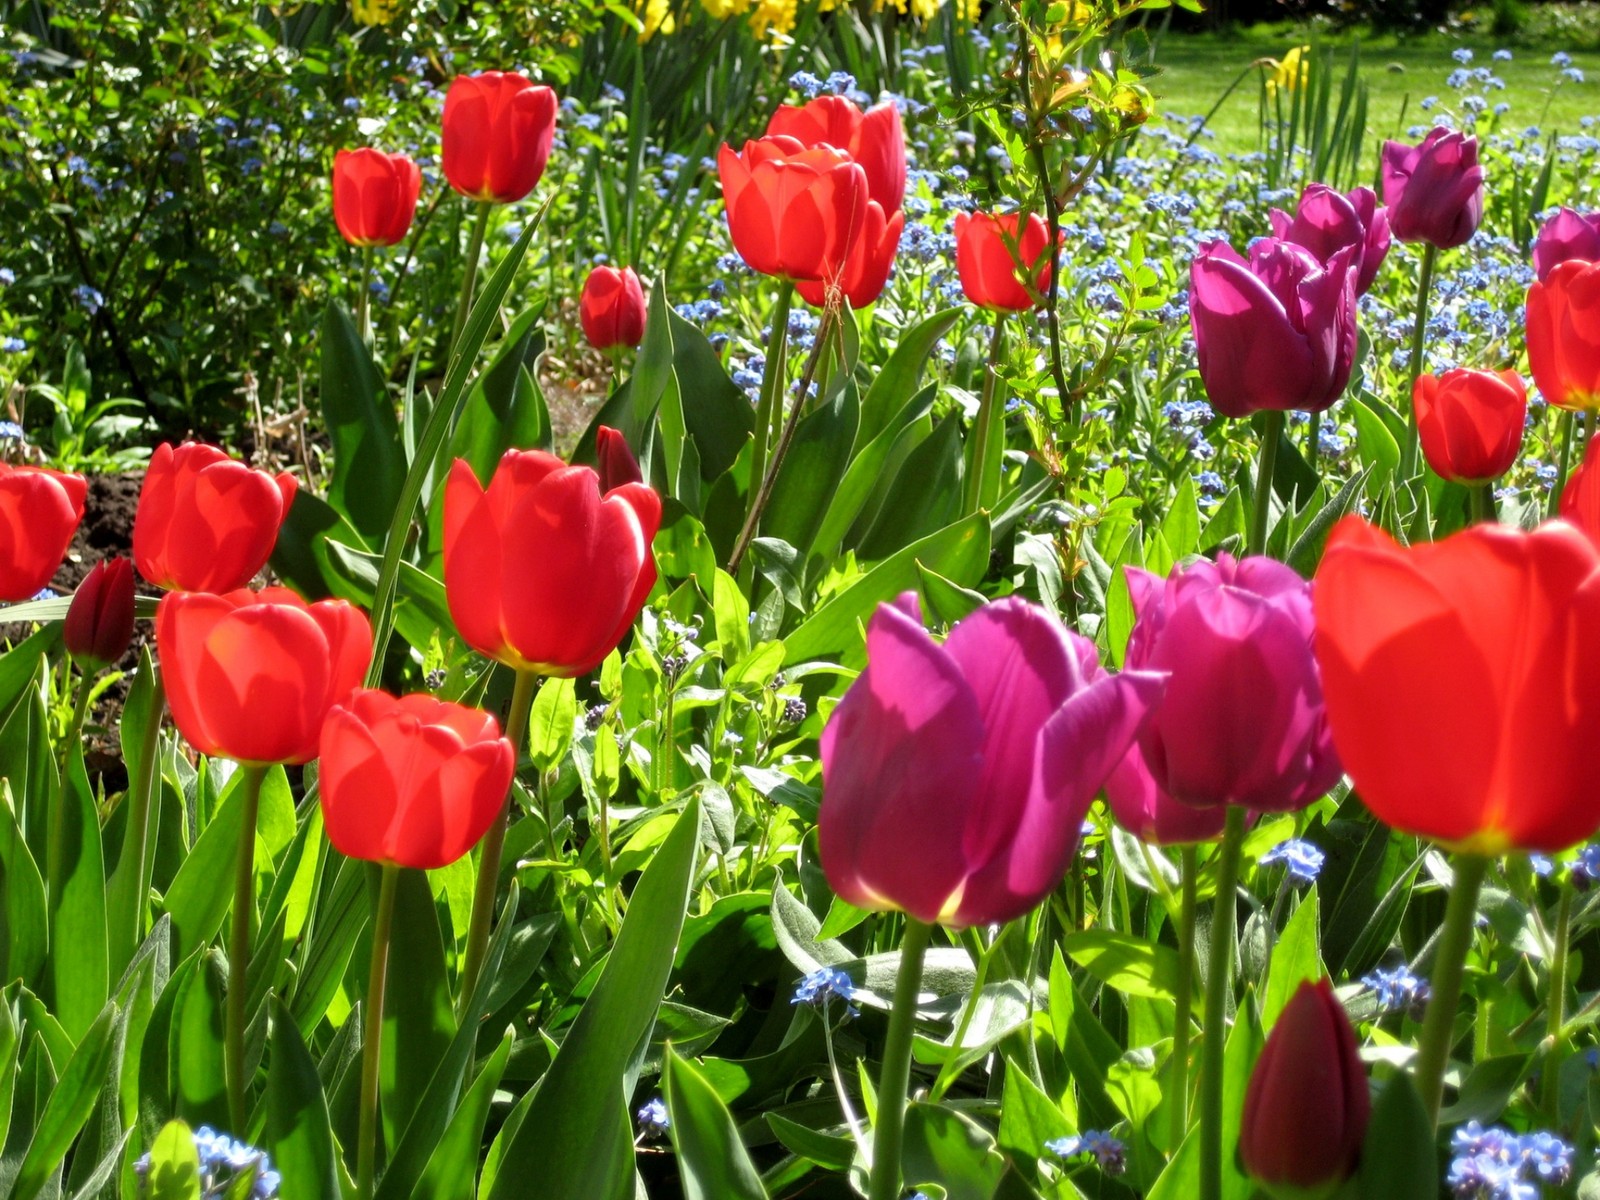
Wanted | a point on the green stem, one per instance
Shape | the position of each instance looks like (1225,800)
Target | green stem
(372,1040)
(1271,435)
(845,1107)
(239,946)
(1430,254)
(896,1073)
(770,404)
(1556,1008)
(130,882)
(1219,979)
(470,282)
(1563,461)
(1480,503)
(363,297)
(952,1067)
(493,843)
(981,490)
(1449,967)
(1189,872)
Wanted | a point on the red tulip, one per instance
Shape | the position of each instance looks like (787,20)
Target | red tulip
(1471,422)
(544,570)
(1564,334)
(411,780)
(1580,500)
(498,129)
(993,259)
(1306,1108)
(99,624)
(39,512)
(206,522)
(374,196)
(1461,684)
(866,271)
(251,675)
(611,308)
(792,212)
(875,139)
(616,462)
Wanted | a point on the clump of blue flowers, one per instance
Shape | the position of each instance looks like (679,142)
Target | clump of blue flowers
(1496,1164)
(1303,860)
(652,1119)
(224,1162)
(825,985)
(1399,989)
(1109,1153)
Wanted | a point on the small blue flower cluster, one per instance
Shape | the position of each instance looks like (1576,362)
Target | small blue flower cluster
(826,984)
(1399,989)
(1303,860)
(223,1162)
(652,1119)
(1496,1164)
(1109,1153)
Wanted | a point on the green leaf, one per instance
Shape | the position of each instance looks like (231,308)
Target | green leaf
(128,888)
(950,1149)
(714,1162)
(70,1104)
(298,1130)
(79,967)
(1375,445)
(1398,1159)
(924,495)
(717,414)
(816,462)
(453,1169)
(872,464)
(897,382)
(551,721)
(369,463)
(418,1021)
(579,1105)
(197,1050)
(1028,1117)
(174,1164)
(24,919)
(1181,526)
(1129,964)
(959,552)
(827,1150)
(1296,959)
(505,409)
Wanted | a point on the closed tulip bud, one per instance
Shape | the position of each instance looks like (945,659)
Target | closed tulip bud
(39,512)
(956,776)
(866,270)
(251,675)
(544,570)
(1564,334)
(1003,261)
(206,522)
(374,196)
(611,308)
(99,624)
(1567,235)
(1580,499)
(498,128)
(875,139)
(793,212)
(413,780)
(1242,720)
(1434,190)
(614,460)
(1460,681)
(1327,222)
(1470,422)
(1306,1107)
(1276,330)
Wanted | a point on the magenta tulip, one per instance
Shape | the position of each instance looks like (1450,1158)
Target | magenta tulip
(1274,331)
(1434,190)
(1242,720)
(956,777)
(1153,816)
(1567,235)
(1326,222)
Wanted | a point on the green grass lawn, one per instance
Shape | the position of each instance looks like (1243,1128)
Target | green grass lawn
(1197,68)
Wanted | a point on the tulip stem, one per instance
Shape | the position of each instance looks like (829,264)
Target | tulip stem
(1556,1008)
(469,282)
(493,842)
(130,881)
(769,478)
(982,489)
(895,1075)
(239,944)
(1449,965)
(771,401)
(1480,503)
(372,1040)
(1261,513)
(1219,980)
(1430,254)
(363,294)
(1189,872)
(1563,462)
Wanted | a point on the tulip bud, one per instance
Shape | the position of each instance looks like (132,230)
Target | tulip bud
(99,624)
(497,131)
(617,465)
(1567,235)
(611,308)
(1470,422)
(39,512)
(1306,1109)
(1002,260)
(374,196)
(1434,190)
(1564,334)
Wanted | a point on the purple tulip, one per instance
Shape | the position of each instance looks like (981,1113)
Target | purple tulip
(1326,222)
(956,777)
(1151,815)
(1567,235)
(1242,718)
(1276,330)
(1434,190)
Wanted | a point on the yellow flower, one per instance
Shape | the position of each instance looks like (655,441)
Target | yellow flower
(1290,71)
(772,18)
(374,12)
(969,10)
(721,10)
(656,17)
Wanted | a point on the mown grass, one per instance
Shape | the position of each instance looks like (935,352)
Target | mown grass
(1196,69)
